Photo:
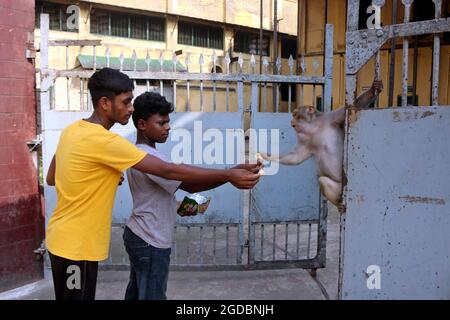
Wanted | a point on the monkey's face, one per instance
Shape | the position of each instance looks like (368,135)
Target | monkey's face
(302,114)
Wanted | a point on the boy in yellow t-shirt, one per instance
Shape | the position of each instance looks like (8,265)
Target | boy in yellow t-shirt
(86,171)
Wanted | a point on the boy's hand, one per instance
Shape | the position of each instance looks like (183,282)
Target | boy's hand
(252,167)
(243,179)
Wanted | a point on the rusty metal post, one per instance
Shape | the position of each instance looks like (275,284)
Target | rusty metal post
(436,56)
(352,25)
(407,4)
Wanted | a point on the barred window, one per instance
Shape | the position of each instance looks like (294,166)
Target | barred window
(247,42)
(200,35)
(58,16)
(288,48)
(127,26)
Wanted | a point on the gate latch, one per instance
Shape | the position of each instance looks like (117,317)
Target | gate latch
(39,252)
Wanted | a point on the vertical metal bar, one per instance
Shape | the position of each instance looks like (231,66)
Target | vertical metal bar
(188,240)
(188,88)
(289,98)
(174,85)
(352,25)
(328,68)
(174,245)
(392,58)
(405,59)
(227,96)
(214,244)
(227,229)
(265,96)
(82,94)
(352,15)
(261,256)
(201,84)
(309,241)
(415,63)
(68,78)
(286,242)
(377,74)
(298,241)
(322,232)
(238,247)
(214,82)
(314,97)
(350,89)
(436,57)
(45,79)
(274,240)
(95,57)
(240,96)
(301,102)
(161,63)
(201,244)
(277,97)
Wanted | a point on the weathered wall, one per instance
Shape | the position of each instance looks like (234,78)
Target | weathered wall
(20,222)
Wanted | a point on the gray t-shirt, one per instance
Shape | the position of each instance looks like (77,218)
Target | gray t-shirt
(154,204)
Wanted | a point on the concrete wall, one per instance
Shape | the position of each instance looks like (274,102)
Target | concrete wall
(21,225)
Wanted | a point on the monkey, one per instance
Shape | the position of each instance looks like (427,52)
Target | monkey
(321,135)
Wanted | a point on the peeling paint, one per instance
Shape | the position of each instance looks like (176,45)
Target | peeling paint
(426,200)
(410,116)
(427,114)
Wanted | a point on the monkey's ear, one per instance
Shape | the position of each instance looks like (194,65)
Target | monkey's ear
(311,109)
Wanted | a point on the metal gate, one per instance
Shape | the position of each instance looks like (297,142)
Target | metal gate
(225,237)
(395,230)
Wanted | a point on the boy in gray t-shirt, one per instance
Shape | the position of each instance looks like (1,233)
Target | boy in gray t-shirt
(148,234)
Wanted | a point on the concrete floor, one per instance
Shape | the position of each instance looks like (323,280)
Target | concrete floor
(283,284)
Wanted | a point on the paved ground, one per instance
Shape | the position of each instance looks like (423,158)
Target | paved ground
(284,284)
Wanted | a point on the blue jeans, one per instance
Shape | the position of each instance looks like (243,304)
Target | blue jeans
(149,269)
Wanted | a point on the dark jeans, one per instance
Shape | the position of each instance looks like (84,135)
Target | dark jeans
(149,269)
(73,280)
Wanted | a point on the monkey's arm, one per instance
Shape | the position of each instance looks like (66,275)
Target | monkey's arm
(369,96)
(294,157)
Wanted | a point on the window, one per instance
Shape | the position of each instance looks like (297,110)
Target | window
(57,14)
(288,47)
(247,42)
(127,26)
(200,35)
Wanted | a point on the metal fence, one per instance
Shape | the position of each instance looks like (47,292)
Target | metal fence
(220,239)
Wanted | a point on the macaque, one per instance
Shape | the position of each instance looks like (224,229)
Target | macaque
(321,136)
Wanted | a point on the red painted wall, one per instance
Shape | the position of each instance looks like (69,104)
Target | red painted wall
(21,225)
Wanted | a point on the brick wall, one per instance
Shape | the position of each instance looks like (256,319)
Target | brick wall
(21,225)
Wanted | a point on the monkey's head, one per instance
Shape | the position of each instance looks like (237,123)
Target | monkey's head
(303,113)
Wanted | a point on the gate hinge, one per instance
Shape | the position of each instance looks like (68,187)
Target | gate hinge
(34,143)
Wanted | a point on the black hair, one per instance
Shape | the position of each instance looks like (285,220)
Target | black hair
(150,103)
(108,83)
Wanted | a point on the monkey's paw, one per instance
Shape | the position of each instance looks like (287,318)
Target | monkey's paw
(341,207)
(264,156)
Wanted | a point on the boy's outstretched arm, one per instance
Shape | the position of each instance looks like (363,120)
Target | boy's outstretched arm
(203,186)
(240,178)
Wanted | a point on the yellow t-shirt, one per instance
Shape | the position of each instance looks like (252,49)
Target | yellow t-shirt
(89,162)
